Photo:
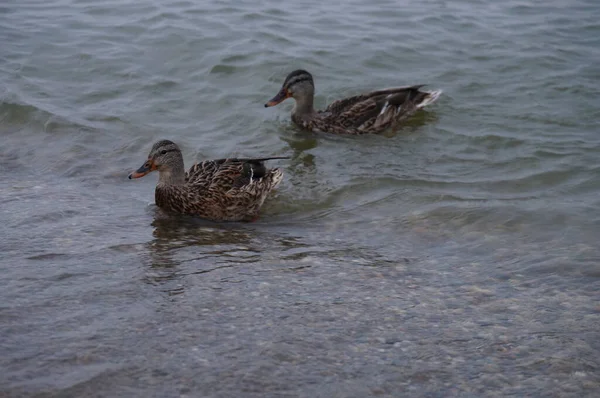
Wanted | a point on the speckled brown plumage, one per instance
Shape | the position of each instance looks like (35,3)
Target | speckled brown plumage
(219,190)
(368,113)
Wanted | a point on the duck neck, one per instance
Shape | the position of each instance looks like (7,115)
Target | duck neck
(304,106)
(175,175)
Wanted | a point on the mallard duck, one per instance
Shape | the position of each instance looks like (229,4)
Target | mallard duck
(218,190)
(368,113)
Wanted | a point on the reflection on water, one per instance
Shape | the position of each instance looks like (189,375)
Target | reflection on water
(175,231)
(184,245)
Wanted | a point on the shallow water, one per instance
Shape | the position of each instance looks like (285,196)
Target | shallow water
(457,256)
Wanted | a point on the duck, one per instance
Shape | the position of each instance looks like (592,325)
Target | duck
(231,189)
(368,113)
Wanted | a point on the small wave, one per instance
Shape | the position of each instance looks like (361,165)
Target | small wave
(48,256)
(16,113)
(160,85)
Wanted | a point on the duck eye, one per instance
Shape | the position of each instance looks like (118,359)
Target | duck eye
(163,152)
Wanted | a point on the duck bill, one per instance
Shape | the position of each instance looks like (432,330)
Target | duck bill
(281,96)
(147,168)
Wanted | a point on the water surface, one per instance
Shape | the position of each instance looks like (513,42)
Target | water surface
(457,256)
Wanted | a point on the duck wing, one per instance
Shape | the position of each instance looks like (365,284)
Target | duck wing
(228,173)
(364,106)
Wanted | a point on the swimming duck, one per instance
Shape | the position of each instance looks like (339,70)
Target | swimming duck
(218,190)
(368,113)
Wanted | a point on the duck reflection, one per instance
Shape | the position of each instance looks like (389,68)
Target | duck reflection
(299,142)
(184,245)
(174,231)
(415,123)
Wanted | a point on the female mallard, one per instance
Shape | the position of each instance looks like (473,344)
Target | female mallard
(368,113)
(218,190)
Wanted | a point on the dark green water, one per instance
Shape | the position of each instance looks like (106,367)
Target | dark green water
(456,257)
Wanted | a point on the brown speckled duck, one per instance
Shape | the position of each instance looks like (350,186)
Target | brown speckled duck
(218,190)
(368,113)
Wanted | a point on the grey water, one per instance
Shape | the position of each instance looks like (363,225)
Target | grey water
(455,256)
